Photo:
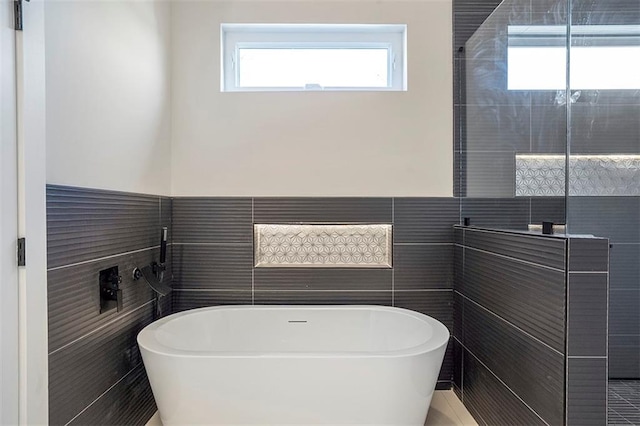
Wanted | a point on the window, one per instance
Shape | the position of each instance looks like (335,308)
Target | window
(602,57)
(286,57)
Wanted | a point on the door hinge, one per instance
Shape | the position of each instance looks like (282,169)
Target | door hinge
(17,14)
(22,252)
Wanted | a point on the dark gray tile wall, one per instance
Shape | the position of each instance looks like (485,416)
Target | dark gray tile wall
(617,218)
(95,369)
(521,317)
(608,122)
(528,295)
(587,391)
(213,255)
(588,289)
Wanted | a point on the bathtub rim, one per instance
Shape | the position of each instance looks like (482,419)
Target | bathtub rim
(146,337)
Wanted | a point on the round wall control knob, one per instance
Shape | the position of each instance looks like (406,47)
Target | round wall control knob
(137,273)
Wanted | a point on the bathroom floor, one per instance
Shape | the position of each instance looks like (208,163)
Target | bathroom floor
(446,410)
(624,402)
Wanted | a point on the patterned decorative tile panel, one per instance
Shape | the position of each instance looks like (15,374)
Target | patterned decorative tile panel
(589,175)
(338,246)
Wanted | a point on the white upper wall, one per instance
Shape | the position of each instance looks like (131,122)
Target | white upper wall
(108,94)
(312,143)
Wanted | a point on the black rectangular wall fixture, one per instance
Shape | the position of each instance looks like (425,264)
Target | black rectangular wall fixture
(540,300)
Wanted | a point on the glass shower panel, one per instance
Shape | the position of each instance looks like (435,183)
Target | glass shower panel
(604,161)
(513,137)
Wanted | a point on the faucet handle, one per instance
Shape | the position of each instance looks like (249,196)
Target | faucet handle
(118,300)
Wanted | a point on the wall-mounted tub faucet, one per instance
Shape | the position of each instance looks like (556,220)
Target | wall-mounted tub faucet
(153,274)
(147,274)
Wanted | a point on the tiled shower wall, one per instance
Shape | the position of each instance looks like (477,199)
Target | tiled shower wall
(493,124)
(213,255)
(96,374)
(617,218)
(608,122)
(530,327)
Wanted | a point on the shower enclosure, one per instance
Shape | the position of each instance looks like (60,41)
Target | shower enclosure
(550,86)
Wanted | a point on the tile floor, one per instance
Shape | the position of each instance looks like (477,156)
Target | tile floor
(624,402)
(446,410)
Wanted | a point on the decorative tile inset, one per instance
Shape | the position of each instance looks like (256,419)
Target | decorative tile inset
(589,175)
(336,246)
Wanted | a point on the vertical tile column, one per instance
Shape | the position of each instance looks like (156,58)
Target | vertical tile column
(587,313)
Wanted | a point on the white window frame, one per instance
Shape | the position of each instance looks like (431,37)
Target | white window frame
(313,36)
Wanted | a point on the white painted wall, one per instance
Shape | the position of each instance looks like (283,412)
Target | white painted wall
(312,143)
(108,94)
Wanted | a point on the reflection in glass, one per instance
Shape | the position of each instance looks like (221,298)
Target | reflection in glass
(603,57)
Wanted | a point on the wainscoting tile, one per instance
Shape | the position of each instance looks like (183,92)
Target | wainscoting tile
(446,371)
(458,350)
(220,267)
(87,224)
(588,254)
(488,399)
(423,266)
(458,268)
(458,316)
(526,295)
(81,372)
(74,297)
(587,315)
(435,303)
(323,298)
(537,376)
(547,251)
(425,220)
(587,392)
(129,402)
(212,220)
(322,279)
(185,299)
(458,233)
(322,210)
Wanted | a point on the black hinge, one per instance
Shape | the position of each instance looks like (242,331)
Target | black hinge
(17,14)
(22,252)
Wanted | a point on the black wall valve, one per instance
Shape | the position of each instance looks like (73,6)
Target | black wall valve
(110,293)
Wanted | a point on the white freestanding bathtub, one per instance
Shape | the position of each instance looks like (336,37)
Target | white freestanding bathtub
(294,365)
